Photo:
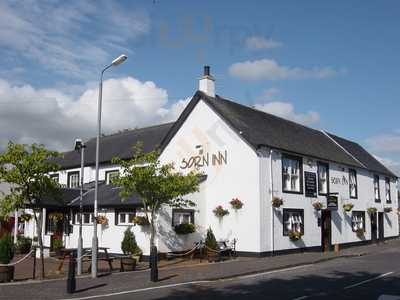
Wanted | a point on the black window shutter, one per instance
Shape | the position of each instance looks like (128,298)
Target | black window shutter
(116,217)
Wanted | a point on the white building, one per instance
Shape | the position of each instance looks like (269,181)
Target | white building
(245,154)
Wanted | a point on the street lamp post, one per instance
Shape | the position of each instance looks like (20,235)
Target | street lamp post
(119,60)
(80,146)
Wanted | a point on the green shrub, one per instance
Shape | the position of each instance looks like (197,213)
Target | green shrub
(128,244)
(210,241)
(23,244)
(6,249)
(57,244)
(185,228)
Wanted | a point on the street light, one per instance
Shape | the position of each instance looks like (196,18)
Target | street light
(119,60)
(80,146)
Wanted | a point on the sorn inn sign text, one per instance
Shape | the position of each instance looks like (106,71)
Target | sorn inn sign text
(207,159)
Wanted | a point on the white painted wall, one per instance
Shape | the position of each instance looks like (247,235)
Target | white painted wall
(238,178)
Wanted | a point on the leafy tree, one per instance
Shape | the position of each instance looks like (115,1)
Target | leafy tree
(26,169)
(156,184)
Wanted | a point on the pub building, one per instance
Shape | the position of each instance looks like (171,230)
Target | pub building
(293,182)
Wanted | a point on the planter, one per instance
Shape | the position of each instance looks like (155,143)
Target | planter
(220,212)
(213,256)
(128,264)
(348,207)
(277,202)
(184,228)
(102,220)
(360,233)
(236,203)
(318,205)
(6,274)
(372,210)
(295,236)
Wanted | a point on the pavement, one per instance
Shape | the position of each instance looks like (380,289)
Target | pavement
(308,274)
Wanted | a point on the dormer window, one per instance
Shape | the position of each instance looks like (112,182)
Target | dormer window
(110,175)
(73,179)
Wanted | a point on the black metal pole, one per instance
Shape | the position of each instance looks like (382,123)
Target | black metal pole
(71,280)
(34,263)
(153,264)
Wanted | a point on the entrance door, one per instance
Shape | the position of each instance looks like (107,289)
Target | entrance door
(380,227)
(374,228)
(326,230)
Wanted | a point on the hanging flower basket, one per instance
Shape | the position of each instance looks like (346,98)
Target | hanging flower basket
(372,210)
(277,202)
(387,209)
(360,233)
(141,221)
(348,207)
(295,235)
(102,220)
(236,203)
(220,212)
(318,205)
(185,228)
(25,218)
(56,216)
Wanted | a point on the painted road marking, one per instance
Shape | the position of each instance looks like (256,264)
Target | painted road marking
(389,297)
(368,280)
(183,284)
(301,298)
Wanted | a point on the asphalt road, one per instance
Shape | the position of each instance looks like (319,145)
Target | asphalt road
(375,276)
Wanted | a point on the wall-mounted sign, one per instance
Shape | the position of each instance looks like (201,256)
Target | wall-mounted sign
(332,202)
(310,182)
(339,180)
(206,159)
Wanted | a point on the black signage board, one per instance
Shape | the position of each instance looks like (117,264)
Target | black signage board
(332,202)
(310,182)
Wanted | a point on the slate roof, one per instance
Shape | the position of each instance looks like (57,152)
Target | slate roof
(119,144)
(262,129)
(370,162)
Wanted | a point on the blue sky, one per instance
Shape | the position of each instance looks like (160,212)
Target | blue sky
(330,65)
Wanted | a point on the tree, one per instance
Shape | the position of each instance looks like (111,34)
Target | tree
(26,169)
(156,184)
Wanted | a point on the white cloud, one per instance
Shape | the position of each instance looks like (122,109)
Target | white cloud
(259,42)
(385,143)
(58,35)
(55,118)
(269,69)
(284,109)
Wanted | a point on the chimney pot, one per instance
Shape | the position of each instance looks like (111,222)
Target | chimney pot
(206,70)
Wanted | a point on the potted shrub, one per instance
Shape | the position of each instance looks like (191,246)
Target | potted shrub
(295,235)
(57,246)
(130,247)
(236,203)
(211,246)
(23,245)
(360,233)
(277,202)
(387,209)
(371,210)
(141,220)
(318,205)
(185,228)
(348,207)
(220,212)
(6,255)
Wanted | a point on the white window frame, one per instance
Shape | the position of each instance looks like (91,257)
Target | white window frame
(358,220)
(76,218)
(75,182)
(387,190)
(377,192)
(353,188)
(182,216)
(109,174)
(323,181)
(292,176)
(126,215)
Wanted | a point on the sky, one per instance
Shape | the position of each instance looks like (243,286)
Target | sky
(329,65)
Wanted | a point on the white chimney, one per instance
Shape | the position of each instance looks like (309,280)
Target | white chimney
(207,83)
